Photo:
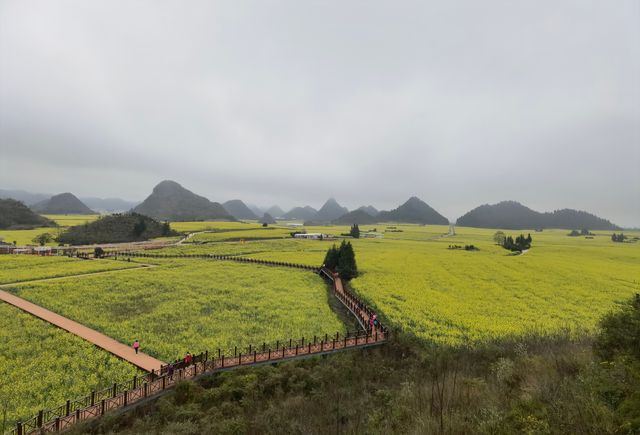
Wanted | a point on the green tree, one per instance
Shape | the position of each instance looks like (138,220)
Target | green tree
(355,231)
(347,267)
(42,239)
(499,238)
(332,258)
(139,228)
(620,332)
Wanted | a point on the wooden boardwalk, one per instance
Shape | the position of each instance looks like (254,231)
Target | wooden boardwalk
(141,360)
(161,377)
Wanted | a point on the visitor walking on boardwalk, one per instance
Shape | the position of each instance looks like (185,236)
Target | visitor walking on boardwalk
(136,346)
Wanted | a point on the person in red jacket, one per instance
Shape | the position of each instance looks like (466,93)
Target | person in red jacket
(136,346)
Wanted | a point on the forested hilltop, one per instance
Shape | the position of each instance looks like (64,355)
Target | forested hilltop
(116,228)
(15,215)
(513,215)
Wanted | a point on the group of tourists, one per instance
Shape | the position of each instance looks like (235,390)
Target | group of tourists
(373,321)
(186,361)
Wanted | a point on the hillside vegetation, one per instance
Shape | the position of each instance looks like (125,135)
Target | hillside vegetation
(15,215)
(129,227)
(513,215)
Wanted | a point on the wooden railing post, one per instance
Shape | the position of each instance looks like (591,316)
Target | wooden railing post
(126,397)
(115,389)
(102,407)
(68,408)
(19,428)
(39,419)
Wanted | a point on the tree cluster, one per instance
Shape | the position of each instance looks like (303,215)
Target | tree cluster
(618,237)
(355,231)
(342,259)
(519,244)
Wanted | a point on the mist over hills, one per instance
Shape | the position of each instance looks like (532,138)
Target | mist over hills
(329,211)
(239,209)
(108,205)
(369,209)
(64,203)
(303,213)
(275,211)
(513,215)
(169,201)
(28,198)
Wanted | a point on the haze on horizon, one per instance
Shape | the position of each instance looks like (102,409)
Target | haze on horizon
(460,103)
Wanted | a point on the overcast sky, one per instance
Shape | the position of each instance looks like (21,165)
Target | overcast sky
(290,102)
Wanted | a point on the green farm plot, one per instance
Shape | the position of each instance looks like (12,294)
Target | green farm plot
(457,297)
(245,234)
(192,227)
(71,220)
(194,305)
(42,366)
(18,268)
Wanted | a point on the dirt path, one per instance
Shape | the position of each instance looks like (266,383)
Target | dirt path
(141,360)
(80,275)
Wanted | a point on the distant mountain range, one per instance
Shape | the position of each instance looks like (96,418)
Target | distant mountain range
(26,197)
(101,205)
(239,210)
(169,201)
(64,203)
(513,215)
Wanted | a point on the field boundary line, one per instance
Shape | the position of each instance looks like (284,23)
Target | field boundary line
(80,275)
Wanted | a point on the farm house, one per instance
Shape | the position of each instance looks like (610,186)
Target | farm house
(312,236)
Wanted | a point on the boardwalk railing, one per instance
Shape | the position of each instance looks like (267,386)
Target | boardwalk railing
(236,258)
(121,395)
